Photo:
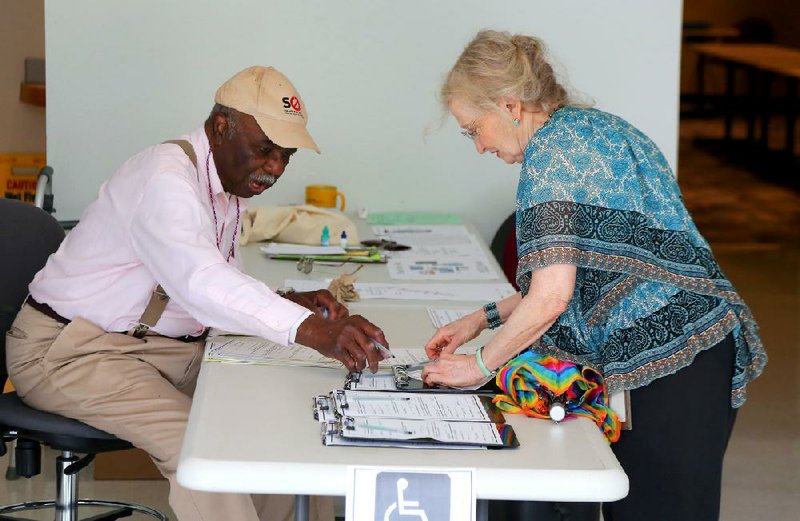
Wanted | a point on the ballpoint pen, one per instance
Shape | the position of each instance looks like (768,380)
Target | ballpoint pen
(381,398)
(383,349)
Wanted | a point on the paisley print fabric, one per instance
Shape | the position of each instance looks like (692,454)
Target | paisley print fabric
(597,193)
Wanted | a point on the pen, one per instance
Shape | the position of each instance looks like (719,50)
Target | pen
(382,348)
(419,365)
(387,429)
(380,398)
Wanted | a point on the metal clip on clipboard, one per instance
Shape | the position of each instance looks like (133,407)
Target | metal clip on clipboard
(352,380)
(400,379)
(340,398)
(323,409)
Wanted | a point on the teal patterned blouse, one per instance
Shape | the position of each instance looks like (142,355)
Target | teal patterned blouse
(597,193)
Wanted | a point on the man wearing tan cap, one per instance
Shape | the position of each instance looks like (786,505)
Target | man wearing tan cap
(98,341)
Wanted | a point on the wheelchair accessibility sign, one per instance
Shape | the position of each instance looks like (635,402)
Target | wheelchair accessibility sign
(383,494)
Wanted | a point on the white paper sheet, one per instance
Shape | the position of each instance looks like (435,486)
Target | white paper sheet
(383,290)
(384,381)
(425,235)
(412,406)
(443,431)
(429,268)
(406,356)
(282,248)
(333,438)
(440,251)
(254,350)
(442,317)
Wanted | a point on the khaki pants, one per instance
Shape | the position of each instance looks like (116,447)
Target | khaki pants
(137,389)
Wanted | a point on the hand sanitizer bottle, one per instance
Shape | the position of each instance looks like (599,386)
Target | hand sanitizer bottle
(325,239)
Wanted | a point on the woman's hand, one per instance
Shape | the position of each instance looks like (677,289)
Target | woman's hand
(451,336)
(349,340)
(453,371)
(321,302)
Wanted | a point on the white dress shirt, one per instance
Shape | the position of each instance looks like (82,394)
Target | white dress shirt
(152,223)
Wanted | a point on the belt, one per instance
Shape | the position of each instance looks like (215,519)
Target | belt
(197,338)
(47,310)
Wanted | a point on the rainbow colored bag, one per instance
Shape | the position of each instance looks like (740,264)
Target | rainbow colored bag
(532,383)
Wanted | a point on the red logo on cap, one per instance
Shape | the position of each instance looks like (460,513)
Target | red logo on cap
(295,103)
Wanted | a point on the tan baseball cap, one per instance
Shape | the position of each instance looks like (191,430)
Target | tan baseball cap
(267,95)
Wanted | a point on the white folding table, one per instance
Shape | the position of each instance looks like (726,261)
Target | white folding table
(251,428)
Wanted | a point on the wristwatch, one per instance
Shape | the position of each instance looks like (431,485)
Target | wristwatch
(282,292)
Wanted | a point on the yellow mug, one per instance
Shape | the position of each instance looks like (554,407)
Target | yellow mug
(323,196)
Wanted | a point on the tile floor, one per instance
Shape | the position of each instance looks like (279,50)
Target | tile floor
(754,227)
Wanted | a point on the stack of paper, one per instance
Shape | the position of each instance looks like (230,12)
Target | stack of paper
(411,420)
(429,268)
(443,252)
(383,290)
(254,350)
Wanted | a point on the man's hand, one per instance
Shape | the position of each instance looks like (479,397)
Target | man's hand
(348,339)
(321,302)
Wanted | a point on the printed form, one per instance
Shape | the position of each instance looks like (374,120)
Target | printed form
(411,406)
(478,433)
(429,291)
(255,350)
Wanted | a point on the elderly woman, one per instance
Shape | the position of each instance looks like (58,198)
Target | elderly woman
(613,274)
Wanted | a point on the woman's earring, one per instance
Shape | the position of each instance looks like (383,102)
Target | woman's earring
(516,122)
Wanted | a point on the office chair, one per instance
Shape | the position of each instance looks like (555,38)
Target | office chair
(28,235)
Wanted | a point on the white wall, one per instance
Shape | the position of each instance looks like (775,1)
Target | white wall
(21,36)
(123,75)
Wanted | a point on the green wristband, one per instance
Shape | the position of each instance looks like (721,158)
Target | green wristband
(479,359)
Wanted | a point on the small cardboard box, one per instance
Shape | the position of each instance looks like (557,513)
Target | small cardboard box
(125,464)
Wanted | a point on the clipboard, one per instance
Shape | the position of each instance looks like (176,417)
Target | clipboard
(416,434)
(478,424)
(400,378)
(465,406)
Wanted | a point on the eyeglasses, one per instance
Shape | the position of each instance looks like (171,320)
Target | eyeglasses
(471,132)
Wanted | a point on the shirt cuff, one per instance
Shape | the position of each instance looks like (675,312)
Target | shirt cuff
(293,330)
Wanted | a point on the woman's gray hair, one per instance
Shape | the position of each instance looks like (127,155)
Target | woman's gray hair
(230,115)
(495,65)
